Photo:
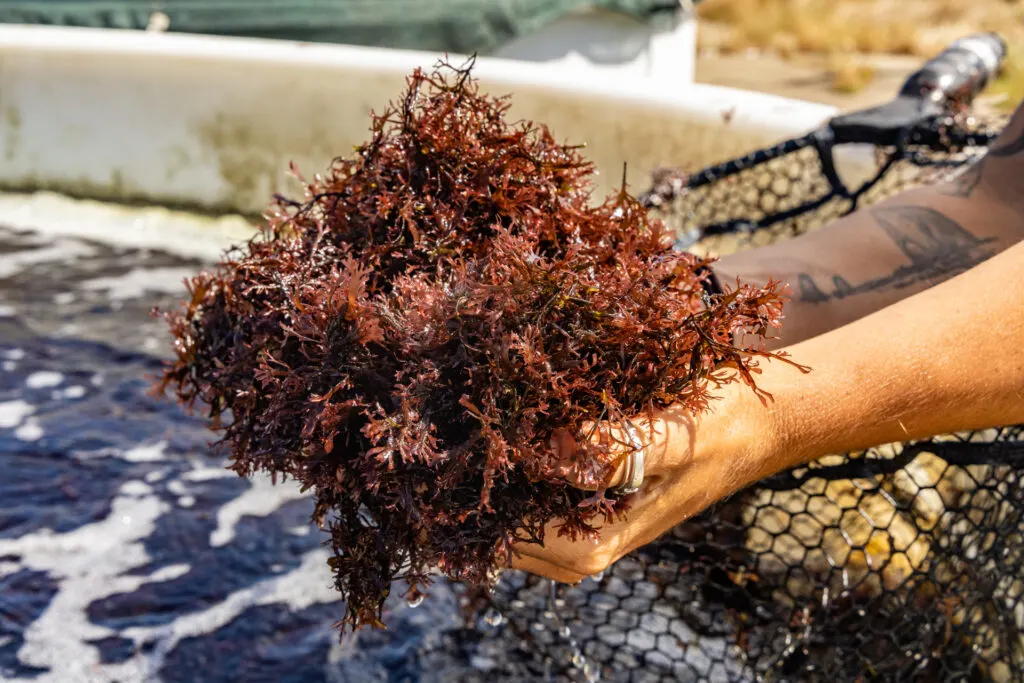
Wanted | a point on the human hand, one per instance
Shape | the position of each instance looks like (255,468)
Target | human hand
(691,462)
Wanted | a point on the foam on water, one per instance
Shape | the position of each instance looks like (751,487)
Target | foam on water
(44,380)
(263,498)
(174,232)
(29,430)
(138,281)
(291,589)
(58,250)
(13,412)
(90,563)
(153,452)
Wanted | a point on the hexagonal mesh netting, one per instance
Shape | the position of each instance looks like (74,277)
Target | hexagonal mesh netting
(904,562)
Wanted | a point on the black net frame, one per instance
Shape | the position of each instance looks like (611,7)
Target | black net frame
(903,562)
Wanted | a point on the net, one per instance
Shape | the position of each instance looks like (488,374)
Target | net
(903,562)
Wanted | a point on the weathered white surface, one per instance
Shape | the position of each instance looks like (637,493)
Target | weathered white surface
(213,122)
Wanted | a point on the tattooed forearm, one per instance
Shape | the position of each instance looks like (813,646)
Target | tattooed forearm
(935,248)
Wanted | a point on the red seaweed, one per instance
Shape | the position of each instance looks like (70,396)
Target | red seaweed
(405,340)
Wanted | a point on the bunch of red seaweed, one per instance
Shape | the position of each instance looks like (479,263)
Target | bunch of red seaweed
(405,340)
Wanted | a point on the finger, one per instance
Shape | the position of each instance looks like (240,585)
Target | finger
(584,471)
(617,440)
(539,567)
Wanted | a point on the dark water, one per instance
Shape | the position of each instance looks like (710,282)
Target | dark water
(127,552)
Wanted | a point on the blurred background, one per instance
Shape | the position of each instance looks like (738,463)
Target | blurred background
(847,52)
(841,52)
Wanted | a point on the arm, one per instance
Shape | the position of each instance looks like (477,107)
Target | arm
(944,360)
(878,255)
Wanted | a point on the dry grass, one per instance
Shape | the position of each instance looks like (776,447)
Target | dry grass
(1010,84)
(842,29)
(849,73)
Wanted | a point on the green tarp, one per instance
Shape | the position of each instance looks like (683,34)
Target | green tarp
(464,26)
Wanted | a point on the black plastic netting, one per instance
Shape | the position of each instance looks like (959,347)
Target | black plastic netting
(904,562)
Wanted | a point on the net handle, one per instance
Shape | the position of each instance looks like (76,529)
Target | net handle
(921,113)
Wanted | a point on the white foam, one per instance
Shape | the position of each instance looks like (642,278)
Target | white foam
(176,232)
(208,474)
(43,379)
(7,311)
(13,354)
(153,452)
(90,564)
(136,488)
(9,366)
(306,585)
(13,412)
(170,572)
(63,298)
(72,392)
(260,499)
(29,430)
(57,251)
(137,282)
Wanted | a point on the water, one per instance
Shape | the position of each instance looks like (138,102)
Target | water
(127,551)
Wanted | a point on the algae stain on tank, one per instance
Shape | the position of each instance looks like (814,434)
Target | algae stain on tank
(12,134)
(253,156)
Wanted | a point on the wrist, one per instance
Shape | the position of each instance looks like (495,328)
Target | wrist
(741,440)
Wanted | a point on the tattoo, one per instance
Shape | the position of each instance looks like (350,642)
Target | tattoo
(934,245)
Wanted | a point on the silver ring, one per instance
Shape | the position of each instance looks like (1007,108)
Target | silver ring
(634,478)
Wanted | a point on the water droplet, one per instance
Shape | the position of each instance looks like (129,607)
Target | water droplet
(415,600)
(861,613)
(597,577)
(578,660)
(537,627)
(493,617)
(559,603)
(549,615)
(565,632)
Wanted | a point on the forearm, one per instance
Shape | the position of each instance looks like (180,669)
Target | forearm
(879,255)
(947,359)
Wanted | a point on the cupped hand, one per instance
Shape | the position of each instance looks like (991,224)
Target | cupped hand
(690,463)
